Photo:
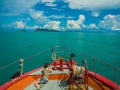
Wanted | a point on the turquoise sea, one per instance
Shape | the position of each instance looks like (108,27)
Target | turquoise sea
(16,45)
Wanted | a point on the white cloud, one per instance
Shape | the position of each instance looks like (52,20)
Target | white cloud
(60,17)
(76,24)
(35,14)
(110,22)
(81,19)
(52,25)
(69,17)
(57,16)
(33,27)
(57,9)
(49,3)
(16,7)
(95,13)
(71,24)
(92,26)
(93,4)
(19,25)
(38,16)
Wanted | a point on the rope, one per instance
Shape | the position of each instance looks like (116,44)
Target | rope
(36,54)
(26,58)
(8,65)
(41,52)
(94,58)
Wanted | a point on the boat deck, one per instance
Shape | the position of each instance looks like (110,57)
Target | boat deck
(51,85)
(62,80)
(58,80)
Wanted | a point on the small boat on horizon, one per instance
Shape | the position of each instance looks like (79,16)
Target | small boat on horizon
(71,70)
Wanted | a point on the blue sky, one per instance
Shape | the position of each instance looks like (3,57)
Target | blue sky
(60,15)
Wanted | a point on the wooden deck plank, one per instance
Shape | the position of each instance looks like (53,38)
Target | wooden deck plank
(20,85)
(53,76)
(97,85)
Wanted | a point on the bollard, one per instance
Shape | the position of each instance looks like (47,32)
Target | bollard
(55,66)
(21,66)
(61,64)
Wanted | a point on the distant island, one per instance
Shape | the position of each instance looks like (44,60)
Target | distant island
(45,30)
(70,30)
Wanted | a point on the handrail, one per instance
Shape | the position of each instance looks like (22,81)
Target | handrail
(94,58)
(6,66)
(38,53)
(25,58)
(116,69)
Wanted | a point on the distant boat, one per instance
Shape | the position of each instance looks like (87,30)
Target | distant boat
(64,75)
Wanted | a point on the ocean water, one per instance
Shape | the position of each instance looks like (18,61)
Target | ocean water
(16,45)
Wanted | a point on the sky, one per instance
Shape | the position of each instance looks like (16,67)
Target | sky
(61,15)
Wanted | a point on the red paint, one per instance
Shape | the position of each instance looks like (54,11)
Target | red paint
(9,83)
(104,80)
(58,63)
(61,64)
(55,66)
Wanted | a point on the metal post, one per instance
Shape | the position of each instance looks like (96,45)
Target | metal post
(55,65)
(21,66)
(61,64)
(84,62)
(53,55)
